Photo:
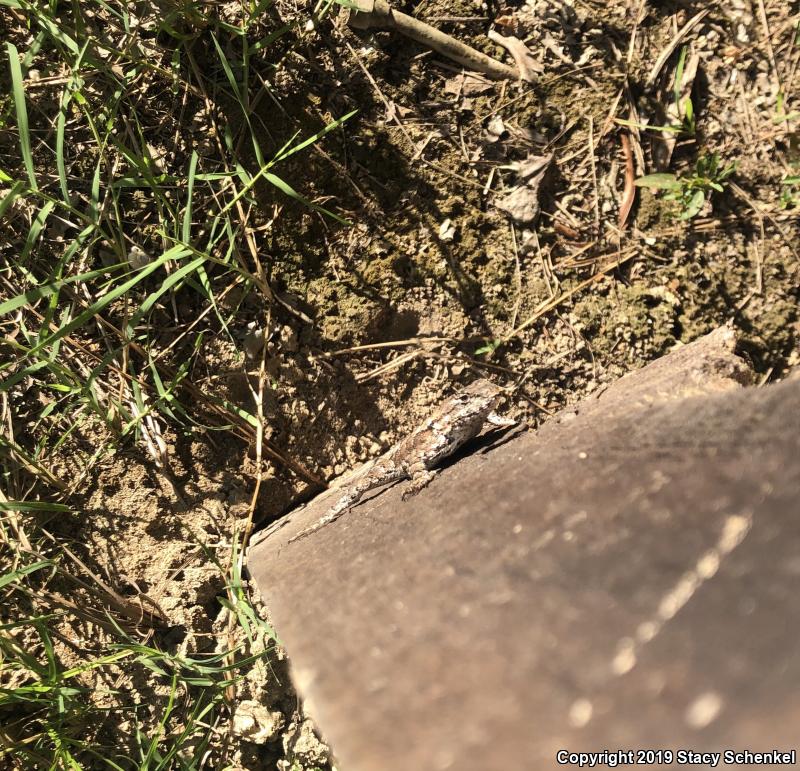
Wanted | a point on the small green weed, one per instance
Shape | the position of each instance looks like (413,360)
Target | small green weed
(790,195)
(691,191)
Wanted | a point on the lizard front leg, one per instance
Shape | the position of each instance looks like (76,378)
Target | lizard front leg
(497,420)
(421,477)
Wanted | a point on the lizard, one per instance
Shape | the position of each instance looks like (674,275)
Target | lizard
(457,420)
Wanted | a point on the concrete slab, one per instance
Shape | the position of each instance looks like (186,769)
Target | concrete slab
(624,578)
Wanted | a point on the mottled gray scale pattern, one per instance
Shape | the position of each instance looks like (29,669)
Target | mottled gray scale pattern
(456,421)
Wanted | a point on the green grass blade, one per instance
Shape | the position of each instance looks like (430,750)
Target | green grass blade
(306,142)
(61,167)
(166,285)
(676,87)
(187,214)
(94,200)
(35,230)
(45,290)
(33,506)
(16,575)
(23,129)
(175,253)
(56,31)
(286,188)
(227,69)
(10,197)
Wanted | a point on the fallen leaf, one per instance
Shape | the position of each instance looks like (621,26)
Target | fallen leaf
(522,202)
(467,84)
(533,165)
(520,53)
(396,111)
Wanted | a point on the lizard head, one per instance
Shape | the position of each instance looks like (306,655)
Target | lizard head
(483,392)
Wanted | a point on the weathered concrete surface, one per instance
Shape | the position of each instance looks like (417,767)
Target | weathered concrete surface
(626,577)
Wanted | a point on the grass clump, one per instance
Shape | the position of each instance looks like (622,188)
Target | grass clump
(137,178)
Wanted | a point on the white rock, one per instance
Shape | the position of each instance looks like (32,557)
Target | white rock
(254,723)
(138,257)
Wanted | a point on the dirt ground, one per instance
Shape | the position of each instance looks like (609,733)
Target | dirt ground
(433,284)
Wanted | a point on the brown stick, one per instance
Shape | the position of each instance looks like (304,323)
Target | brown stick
(369,14)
